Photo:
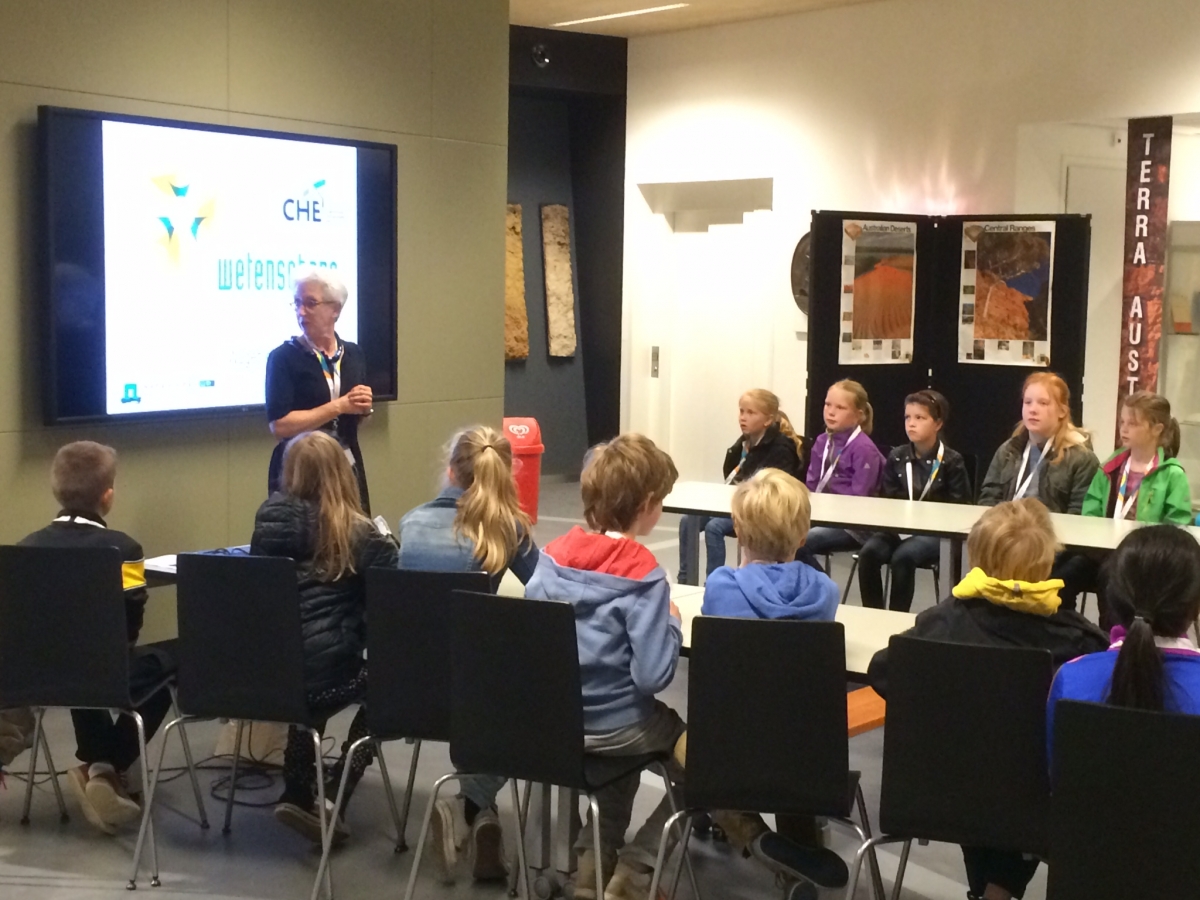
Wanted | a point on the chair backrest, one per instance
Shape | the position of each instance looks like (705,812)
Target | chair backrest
(63,633)
(1123,823)
(517,699)
(241,654)
(964,747)
(971,463)
(767,717)
(408,650)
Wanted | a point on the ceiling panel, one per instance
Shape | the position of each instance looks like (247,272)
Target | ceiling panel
(697,13)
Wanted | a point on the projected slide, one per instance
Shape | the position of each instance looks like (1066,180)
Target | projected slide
(204,234)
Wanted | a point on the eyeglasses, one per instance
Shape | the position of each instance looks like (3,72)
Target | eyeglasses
(308,303)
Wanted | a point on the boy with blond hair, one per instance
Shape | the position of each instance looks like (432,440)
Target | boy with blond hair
(771,515)
(629,635)
(82,479)
(1007,600)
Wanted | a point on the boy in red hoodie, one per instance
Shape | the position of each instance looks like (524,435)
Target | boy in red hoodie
(629,635)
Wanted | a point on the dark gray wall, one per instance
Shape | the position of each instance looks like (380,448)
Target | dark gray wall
(549,389)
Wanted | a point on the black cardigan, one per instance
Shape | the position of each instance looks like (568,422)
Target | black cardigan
(774,450)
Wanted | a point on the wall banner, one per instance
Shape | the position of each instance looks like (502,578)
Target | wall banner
(1147,181)
(879,263)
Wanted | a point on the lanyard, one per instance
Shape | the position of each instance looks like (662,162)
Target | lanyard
(933,473)
(1123,503)
(827,473)
(1023,486)
(78,520)
(330,365)
(738,467)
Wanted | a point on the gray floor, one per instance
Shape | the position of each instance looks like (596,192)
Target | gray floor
(262,860)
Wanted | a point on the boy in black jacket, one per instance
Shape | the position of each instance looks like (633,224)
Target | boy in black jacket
(82,479)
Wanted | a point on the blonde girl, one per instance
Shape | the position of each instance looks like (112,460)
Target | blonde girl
(766,440)
(317,520)
(844,460)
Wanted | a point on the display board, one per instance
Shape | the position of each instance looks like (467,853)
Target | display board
(1042,300)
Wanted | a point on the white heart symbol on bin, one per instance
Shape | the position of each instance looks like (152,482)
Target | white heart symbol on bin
(519,430)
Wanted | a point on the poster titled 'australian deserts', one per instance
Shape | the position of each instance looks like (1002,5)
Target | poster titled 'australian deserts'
(1005,297)
(879,261)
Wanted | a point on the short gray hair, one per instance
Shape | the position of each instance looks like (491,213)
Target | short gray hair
(331,286)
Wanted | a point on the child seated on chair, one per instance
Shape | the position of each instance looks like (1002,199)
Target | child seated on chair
(1007,600)
(629,634)
(82,478)
(771,515)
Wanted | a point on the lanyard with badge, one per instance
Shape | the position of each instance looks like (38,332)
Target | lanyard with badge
(827,473)
(933,473)
(741,462)
(1023,485)
(331,367)
(1125,504)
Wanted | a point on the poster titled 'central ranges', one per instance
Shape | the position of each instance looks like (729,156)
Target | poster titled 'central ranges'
(879,260)
(1005,293)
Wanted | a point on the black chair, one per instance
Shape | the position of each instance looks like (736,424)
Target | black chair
(516,709)
(964,748)
(785,750)
(64,644)
(408,692)
(241,658)
(1121,821)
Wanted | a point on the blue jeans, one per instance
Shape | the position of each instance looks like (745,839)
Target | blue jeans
(716,529)
(822,540)
(482,789)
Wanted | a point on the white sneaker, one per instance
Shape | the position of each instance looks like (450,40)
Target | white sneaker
(448,832)
(487,848)
(627,883)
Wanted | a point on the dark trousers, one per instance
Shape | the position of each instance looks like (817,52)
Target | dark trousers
(299,757)
(100,739)
(1080,574)
(1004,868)
(903,557)
(822,540)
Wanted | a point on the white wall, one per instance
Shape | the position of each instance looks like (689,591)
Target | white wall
(898,106)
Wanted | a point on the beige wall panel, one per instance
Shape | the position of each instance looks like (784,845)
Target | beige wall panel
(452,334)
(442,420)
(372,70)
(391,445)
(470,70)
(248,455)
(171,52)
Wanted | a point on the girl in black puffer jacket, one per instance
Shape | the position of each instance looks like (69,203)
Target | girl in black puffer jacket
(318,522)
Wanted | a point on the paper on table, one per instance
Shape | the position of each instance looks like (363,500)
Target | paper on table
(165,564)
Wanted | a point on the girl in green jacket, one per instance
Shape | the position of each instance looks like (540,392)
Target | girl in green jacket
(1143,481)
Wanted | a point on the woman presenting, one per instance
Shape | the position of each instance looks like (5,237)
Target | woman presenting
(316,381)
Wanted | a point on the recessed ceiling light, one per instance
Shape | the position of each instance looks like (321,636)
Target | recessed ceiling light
(620,15)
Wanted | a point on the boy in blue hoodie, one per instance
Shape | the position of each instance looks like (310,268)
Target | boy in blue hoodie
(772,516)
(629,635)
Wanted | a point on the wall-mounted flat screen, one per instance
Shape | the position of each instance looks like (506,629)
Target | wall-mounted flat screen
(172,250)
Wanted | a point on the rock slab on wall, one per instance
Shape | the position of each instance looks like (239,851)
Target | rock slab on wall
(560,283)
(516,317)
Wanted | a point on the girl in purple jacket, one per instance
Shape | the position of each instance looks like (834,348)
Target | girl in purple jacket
(844,460)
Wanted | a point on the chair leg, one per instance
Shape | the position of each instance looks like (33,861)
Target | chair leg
(937,584)
(141,730)
(887,587)
(522,863)
(390,794)
(233,774)
(900,869)
(416,864)
(598,849)
(33,755)
(850,580)
(872,858)
(683,851)
(684,858)
(62,807)
(148,804)
(326,826)
(865,849)
(327,833)
(191,763)
(661,859)
(401,842)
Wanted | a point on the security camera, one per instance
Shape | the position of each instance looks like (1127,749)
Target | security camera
(541,56)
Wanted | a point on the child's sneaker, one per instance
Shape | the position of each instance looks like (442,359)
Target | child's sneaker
(487,848)
(77,778)
(448,831)
(628,883)
(585,876)
(107,796)
(305,821)
(777,853)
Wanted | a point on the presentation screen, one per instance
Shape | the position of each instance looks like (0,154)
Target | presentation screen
(173,252)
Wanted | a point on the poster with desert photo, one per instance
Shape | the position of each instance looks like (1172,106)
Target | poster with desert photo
(1005,296)
(879,261)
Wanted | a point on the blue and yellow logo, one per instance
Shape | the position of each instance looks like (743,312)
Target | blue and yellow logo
(185,213)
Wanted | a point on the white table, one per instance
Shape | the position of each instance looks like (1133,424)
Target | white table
(867,630)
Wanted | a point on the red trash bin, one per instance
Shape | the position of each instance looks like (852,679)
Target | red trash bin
(525,435)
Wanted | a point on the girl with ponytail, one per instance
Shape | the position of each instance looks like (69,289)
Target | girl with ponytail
(1153,589)
(766,440)
(475,524)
